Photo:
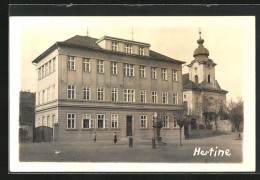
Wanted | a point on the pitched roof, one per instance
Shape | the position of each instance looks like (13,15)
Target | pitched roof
(89,42)
(83,41)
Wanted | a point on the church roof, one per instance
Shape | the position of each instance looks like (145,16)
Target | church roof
(187,84)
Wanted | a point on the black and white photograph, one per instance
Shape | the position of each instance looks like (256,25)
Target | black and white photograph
(132,94)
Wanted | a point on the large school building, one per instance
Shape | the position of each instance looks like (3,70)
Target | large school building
(106,85)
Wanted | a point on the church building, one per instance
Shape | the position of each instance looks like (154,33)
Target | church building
(201,90)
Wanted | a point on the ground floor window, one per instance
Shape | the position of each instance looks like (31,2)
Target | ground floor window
(102,123)
(71,118)
(143,121)
(114,120)
(165,121)
(87,122)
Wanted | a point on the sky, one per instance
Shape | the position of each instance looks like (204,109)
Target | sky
(226,38)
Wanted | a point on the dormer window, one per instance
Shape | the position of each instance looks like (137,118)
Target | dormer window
(114,46)
(141,51)
(128,49)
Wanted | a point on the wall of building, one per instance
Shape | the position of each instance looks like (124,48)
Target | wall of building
(79,78)
(81,134)
(48,81)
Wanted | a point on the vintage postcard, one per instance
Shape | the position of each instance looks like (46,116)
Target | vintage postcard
(132,94)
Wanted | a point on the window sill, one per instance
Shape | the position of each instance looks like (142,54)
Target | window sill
(174,80)
(142,77)
(71,69)
(115,129)
(164,79)
(114,74)
(72,129)
(100,73)
(154,78)
(166,128)
(102,129)
(87,129)
(87,71)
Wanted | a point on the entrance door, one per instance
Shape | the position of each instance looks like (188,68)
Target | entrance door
(128,125)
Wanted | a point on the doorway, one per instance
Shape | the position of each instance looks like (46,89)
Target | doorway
(129,125)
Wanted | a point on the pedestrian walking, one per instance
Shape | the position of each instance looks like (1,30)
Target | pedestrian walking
(115,137)
(94,137)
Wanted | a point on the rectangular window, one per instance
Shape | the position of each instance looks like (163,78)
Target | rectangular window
(86,64)
(48,94)
(43,121)
(154,96)
(39,98)
(100,66)
(101,121)
(100,93)
(86,121)
(39,73)
(175,98)
(53,92)
(128,69)
(113,68)
(86,92)
(47,68)
(54,64)
(143,96)
(71,91)
(143,121)
(129,95)
(114,94)
(53,118)
(165,97)
(48,121)
(175,122)
(174,75)
(154,72)
(141,51)
(71,121)
(43,96)
(165,121)
(142,71)
(164,74)
(51,66)
(114,46)
(114,120)
(43,71)
(128,49)
(71,63)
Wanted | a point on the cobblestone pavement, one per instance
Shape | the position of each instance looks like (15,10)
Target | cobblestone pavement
(142,151)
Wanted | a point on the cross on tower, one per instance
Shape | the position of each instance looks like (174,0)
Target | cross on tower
(200,32)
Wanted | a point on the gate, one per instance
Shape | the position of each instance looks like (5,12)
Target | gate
(43,133)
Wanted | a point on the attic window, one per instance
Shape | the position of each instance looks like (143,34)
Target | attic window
(114,46)
(128,48)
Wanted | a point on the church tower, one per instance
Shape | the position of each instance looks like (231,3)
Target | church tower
(202,69)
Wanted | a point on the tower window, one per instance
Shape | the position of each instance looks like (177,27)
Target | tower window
(196,79)
(208,78)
